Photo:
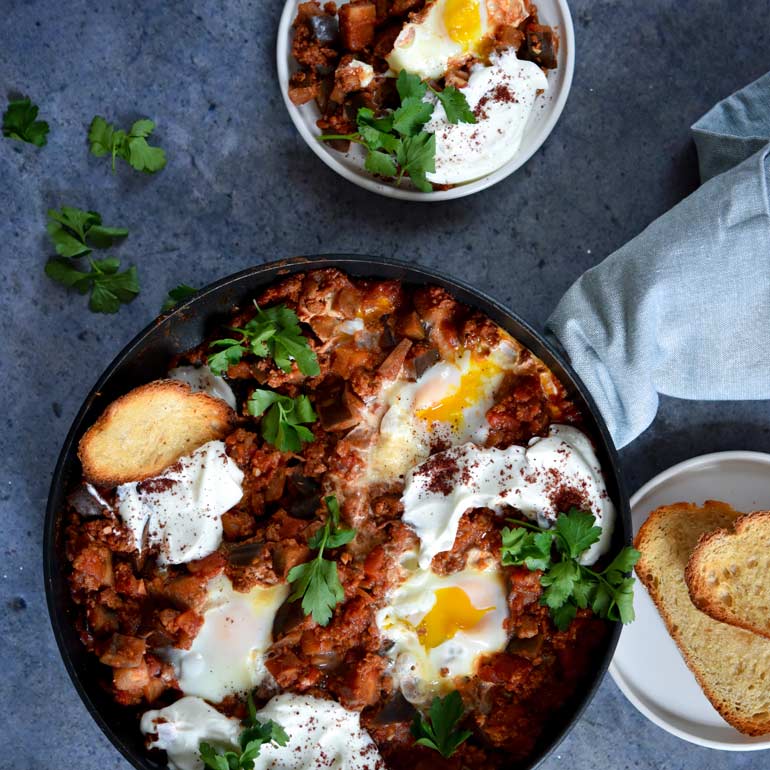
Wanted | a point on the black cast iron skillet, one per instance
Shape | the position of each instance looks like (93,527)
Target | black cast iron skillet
(146,358)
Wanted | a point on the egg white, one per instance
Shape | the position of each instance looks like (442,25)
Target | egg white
(408,428)
(227,655)
(420,672)
(425,47)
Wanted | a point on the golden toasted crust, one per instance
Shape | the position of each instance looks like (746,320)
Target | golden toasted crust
(151,427)
(728,574)
(731,665)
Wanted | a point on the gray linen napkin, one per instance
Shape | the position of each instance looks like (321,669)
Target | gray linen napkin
(684,308)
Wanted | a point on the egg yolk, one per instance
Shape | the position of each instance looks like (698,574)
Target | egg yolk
(473,383)
(462,19)
(451,613)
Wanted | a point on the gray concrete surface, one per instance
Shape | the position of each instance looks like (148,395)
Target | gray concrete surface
(241,188)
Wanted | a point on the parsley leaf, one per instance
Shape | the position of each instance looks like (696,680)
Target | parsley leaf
(109,288)
(397,143)
(254,735)
(380,164)
(273,332)
(438,732)
(576,532)
(131,146)
(567,584)
(317,582)
(176,295)
(455,105)
(19,122)
(75,232)
(417,156)
(284,420)
(410,86)
(411,116)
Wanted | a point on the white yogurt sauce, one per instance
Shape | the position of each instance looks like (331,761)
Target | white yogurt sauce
(181,510)
(528,479)
(322,734)
(180,727)
(502,96)
(202,379)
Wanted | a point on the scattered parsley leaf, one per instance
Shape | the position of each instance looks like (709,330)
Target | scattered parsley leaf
(284,420)
(19,122)
(131,146)
(176,295)
(317,582)
(455,105)
(273,332)
(109,287)
(567,584)
(438,731)
(254,735)
(75,232)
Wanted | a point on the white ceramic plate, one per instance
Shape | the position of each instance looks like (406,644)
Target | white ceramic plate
(546,112)
(647,665)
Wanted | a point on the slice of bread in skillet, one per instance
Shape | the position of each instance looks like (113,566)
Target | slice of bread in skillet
(731,665)
(151,427)
(728,574)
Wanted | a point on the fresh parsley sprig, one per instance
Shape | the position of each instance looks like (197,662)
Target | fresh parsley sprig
(273,332)
(567,584)
(109,286)
(75,232)
(284,420)
(317,582)
(130,145)
(20,122)
(254,735)
(439,732)
(396,142)
(176,295)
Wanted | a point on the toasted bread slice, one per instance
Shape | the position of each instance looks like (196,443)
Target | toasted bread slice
(728,574)
(148,429)
(731,665)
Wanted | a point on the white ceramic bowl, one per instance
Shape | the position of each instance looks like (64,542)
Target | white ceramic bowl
(546,112)
(647,666)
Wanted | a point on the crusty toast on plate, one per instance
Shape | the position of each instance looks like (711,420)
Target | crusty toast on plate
(732,665)
(728,574)
(149,428)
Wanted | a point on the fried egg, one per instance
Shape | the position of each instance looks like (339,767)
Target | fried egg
(437,627)
(449,30)
(446,406)
(227,655)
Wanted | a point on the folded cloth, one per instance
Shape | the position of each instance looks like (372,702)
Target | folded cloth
(684,308)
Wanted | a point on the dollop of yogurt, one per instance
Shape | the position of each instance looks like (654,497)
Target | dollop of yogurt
(535,480)
(181,510)
(179,728)
(502,96)
(202,379)
(322,734)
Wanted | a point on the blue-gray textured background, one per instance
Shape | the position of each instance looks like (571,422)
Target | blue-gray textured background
(240,188)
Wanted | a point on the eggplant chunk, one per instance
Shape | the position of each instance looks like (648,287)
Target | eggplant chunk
(542,45)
